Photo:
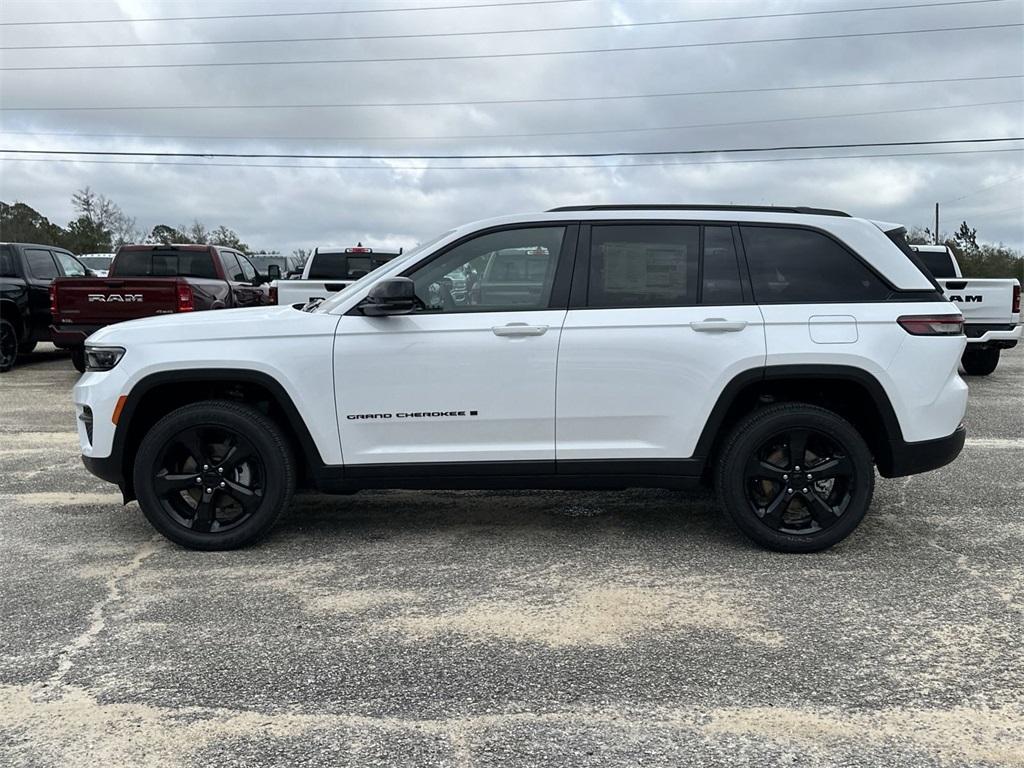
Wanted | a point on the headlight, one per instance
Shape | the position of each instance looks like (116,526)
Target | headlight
(102,358)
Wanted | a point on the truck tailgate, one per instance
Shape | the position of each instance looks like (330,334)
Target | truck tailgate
(302,291)
(101,301)
(981,300)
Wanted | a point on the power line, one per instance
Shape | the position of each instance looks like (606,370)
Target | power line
(515,55)
(488,102)
(288,13)
(510,156)
(604,131)
(983,189)
(421,35)
(597,166)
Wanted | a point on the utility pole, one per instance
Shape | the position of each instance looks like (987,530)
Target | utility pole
(936,223)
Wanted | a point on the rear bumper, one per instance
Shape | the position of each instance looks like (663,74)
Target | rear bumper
(926,455)
(1002,336)
(71,335)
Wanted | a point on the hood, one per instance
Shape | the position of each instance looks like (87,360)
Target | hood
(216,325)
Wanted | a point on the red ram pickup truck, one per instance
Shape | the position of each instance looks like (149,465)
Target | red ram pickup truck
(147,280)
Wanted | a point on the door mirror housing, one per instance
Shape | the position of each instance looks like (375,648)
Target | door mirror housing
(394,296)
(273,272)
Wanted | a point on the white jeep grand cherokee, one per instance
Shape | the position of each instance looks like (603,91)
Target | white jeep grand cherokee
(782,353)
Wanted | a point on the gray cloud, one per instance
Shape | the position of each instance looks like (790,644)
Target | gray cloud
(388,205)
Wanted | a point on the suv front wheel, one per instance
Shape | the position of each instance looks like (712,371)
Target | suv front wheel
(214,475)
(795,477)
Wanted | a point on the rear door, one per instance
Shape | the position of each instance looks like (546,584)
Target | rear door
(659,322)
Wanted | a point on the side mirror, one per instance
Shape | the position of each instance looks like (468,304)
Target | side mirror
(394,296)
(273,272)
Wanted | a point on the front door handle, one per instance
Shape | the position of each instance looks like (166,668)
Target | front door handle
(519,329)
(718,325)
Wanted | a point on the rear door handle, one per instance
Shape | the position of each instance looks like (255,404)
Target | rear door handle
(519,329)
(718,325)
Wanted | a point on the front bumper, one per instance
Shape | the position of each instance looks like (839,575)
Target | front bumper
(72,335)
(926,455)
(1003,336)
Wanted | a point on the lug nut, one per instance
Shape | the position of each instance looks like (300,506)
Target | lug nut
(795,468)
(805,490)
(199,481)
(209,490)
(223,485)
(220,470)
(207,466)
(785,477)
(789,490)
(809,476)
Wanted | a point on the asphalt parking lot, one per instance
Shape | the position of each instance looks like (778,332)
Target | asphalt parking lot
(509,629)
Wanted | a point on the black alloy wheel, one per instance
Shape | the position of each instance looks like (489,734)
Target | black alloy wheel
(214,475)
(795,477)
(8,345)
(799,482)
(209,479)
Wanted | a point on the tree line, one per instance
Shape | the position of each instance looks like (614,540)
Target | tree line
(100,226)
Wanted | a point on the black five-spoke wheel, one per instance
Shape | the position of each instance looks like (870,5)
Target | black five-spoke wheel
(799,481)
(795,477)
(214,475)
(209,479)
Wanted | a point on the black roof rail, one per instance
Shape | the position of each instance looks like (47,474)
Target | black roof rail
(662,207)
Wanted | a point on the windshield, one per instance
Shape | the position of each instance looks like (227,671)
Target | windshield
(342,295)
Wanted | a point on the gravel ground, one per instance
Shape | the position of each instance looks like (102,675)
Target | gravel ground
(509,629)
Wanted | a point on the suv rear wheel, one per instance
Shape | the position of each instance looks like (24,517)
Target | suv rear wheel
(795,477)
(980,362)
(214,475)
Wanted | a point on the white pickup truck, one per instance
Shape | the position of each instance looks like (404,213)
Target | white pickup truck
(990,306)
(328,271)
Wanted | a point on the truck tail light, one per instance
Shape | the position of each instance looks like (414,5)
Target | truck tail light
(185,300)
(272,294)
(1016,300)
(53,300)
(932,325)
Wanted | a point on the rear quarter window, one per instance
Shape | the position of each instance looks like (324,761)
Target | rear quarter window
(800,266)
(7,262)
(938,263)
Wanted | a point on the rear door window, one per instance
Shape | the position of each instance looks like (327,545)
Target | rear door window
(41,264)
(800,266)
(643,265)
(720,283)
(232,271)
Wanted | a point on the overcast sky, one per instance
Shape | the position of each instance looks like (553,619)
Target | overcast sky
(388,203)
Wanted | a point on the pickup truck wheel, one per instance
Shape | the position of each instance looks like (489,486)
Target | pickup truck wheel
(795,477)
(214,475)
(8,345)
(78,358)
(980,362)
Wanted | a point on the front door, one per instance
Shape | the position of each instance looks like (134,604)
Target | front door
(660,323)
(470,375)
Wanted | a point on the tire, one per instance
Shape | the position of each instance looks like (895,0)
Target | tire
(980,362)
(8,345)
(754,477)
(26,348)
(226,510)
(78,358)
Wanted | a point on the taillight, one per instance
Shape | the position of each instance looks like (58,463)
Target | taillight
(185,301)
(53,300)
(272,294)
(1016,300)
(932,325)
